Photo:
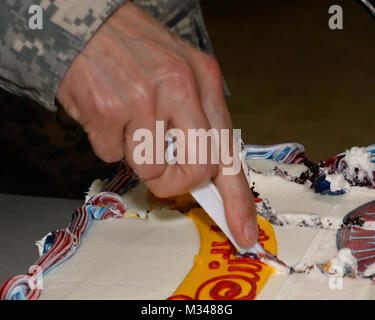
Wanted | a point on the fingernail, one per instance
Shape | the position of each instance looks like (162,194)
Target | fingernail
(251,230)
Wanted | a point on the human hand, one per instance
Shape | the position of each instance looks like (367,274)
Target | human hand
(133,72)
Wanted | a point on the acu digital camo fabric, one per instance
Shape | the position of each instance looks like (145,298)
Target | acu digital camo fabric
(33,62)
(45,153)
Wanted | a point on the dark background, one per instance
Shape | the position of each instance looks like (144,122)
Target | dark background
(294,79)
(291,79)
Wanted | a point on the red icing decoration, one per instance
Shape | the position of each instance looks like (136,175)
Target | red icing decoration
(359,240)
(234,288)
(226,287)
(219,244)
(226,252)
(214,228)
(107,199)
(214,265)
(262,237)
(244,269)
(252,266)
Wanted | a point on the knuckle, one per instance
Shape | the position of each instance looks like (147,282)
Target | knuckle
(141,92)
(180,79)
(212,67)
(182,71)
(143,97)
(106,108)
(213,72)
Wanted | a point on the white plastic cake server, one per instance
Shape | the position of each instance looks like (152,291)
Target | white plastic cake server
(208,196)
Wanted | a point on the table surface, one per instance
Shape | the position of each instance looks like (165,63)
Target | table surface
(24,220)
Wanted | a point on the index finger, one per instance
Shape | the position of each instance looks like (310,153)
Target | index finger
(239,206)
(236,193)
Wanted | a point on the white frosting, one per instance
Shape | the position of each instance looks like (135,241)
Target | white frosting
(303,247)
(40,244)
(267,167)
(278,268)
(302,268)
(128,258)
(310,220)
(337,182)
(370,270)
(96,187)
(343,263)
(359,158)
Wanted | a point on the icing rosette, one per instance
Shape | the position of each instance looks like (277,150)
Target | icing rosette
(62,244)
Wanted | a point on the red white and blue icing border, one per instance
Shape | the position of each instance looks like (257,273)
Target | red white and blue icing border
(284,152)
(62,244)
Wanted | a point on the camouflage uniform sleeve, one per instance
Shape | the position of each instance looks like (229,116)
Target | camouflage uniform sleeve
(33,62)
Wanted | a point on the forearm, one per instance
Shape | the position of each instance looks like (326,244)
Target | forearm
(33,62)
